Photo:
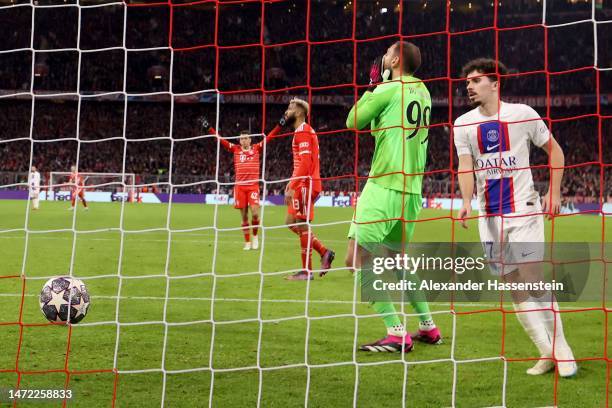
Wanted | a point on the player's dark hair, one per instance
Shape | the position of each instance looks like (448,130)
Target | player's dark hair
(485,66)
(244,133)
(411,56)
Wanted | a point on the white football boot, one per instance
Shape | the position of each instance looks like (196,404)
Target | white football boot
(542,367)
(568,367)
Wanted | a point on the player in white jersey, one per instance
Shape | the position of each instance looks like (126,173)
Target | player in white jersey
(34,186)
(493,142)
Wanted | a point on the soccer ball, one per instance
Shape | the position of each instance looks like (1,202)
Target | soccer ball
(60,294)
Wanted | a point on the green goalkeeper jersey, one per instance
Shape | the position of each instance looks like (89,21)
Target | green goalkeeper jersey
(398,113)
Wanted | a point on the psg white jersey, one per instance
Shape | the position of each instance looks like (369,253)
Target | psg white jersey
(34,180)
(499,146)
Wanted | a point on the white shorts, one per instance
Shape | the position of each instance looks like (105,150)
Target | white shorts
(34,192)
(510,241)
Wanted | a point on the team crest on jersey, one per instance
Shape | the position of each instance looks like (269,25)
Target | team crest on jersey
(493,137)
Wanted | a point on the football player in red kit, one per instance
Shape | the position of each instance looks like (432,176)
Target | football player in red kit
(304,188)
(247,171)
(77,185)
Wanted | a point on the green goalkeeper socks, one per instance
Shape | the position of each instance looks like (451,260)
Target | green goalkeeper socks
(422,308)
(388,312)
(417,298)
(387,309)
(384,308)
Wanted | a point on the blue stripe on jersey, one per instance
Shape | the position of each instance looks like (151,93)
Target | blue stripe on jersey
(499,196)
(492,136)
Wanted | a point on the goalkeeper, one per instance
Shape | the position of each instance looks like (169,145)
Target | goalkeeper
(391,199)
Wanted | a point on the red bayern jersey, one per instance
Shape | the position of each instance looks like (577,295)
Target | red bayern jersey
(77,179)
(305,149)
(246,162)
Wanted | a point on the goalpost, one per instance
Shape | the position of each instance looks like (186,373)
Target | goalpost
(124,184)
(121,184)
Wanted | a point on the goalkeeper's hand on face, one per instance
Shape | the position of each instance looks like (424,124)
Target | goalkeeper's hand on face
(377,73)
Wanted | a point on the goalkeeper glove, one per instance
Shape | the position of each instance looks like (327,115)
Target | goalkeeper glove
(204,123)
(282,122)
(378,73)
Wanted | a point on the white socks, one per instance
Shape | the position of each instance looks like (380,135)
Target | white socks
(400,331)
(35,202)
(541,326)
(397,330)
(427,325)
(534,326)
(554,328)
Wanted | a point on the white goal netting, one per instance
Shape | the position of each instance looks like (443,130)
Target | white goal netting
(180,316)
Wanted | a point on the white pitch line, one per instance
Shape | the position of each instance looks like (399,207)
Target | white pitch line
(196,299)
(281,241)
(207,299)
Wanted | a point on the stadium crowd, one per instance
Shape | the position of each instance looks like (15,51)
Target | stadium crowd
(101,146)
(286,58)
(93,130)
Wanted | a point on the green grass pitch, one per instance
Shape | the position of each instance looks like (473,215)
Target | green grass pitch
(318,351)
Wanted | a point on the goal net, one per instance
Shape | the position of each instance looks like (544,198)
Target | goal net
(180,315)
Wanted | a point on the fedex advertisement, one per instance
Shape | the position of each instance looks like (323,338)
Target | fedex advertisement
(345,201)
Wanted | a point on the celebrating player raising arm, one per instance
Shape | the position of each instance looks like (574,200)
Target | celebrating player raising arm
(246,168)
(391,199)
(493,141)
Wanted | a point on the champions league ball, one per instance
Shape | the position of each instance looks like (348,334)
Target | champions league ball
(59,295)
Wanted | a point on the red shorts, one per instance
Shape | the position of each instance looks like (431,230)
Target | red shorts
(303,203)
(78,192)
(246,196)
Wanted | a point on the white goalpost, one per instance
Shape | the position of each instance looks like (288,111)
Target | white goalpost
(121,184)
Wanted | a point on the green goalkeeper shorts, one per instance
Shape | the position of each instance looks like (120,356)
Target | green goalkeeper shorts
(377,218)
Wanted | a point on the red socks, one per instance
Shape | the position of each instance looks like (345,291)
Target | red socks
(308,242)
(245,231)
(73,200)
(317,245)
(255,224)
(306,252)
